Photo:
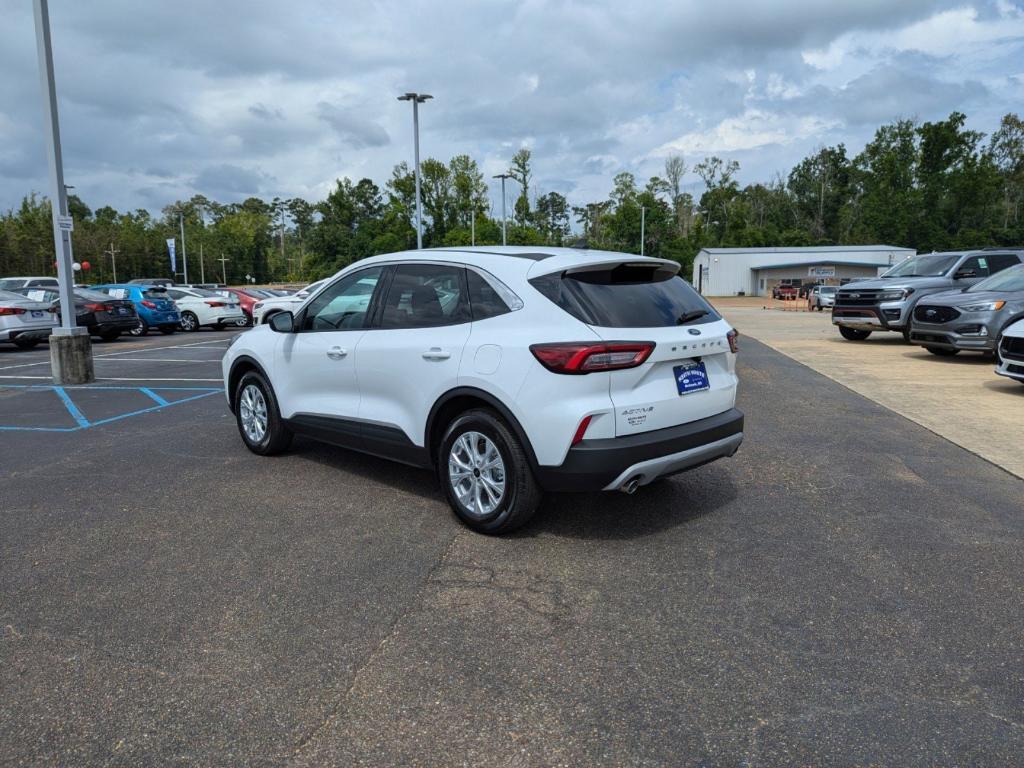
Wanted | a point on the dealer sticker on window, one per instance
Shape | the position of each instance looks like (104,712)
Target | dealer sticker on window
(691,377)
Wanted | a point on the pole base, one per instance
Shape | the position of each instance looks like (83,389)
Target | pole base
(71,358)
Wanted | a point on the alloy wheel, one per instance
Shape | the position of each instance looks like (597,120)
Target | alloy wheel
(253,411)
(476,472)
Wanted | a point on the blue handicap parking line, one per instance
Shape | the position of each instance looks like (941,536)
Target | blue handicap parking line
(63,393)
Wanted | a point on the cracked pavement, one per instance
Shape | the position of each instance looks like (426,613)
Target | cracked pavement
(848,589)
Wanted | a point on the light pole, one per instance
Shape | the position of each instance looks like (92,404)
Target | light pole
(70,348)
(223,268)
(503,176)
(643,220)
(184,255)
(417,99)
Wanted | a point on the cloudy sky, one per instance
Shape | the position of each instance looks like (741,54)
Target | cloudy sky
(232,98)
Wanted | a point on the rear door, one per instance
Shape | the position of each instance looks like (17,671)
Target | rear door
(412,356)
(690,375)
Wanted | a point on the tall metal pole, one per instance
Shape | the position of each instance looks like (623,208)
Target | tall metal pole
(472,229)
(504,218)
(417,99)
(70,348)
(643,212)
(224,269)
(202,266)
(59,205)
(184,254)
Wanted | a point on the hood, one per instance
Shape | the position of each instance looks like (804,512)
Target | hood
(958,298)
(896,283)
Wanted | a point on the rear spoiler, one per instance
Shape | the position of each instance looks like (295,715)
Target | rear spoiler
(568,266)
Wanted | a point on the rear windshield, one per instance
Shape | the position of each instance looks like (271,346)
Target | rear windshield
(7,296)
(627,296)
(88,295)
(154,293)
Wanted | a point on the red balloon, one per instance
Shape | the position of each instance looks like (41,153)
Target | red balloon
(55,265)
(85,265)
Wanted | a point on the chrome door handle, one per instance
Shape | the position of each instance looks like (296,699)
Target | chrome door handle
(336,353)
(436,353)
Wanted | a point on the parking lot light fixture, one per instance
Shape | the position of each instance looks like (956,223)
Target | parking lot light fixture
(417,99)
(504,218)
(70,348)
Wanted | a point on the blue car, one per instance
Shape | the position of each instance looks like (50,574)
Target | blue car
(155,310)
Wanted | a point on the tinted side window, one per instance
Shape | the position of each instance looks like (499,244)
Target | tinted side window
(976,264)
(425,296)
(176,294)
(343,306)
(997,262)
(484,300)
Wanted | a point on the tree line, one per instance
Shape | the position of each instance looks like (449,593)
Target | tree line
(928,186)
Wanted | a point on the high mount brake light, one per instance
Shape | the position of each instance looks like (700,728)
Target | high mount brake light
(583,357)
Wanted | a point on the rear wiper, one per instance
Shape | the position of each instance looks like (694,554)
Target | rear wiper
(686,317)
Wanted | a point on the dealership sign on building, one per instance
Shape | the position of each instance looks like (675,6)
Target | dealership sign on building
(821,271)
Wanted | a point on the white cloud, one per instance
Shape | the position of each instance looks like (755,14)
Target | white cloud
(753,129)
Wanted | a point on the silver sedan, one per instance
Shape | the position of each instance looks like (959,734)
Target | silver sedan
(24,322)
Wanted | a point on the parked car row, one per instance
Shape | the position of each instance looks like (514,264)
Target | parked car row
(948,303)
(30,308)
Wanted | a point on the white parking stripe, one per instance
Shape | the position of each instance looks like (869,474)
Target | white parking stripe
(108,378)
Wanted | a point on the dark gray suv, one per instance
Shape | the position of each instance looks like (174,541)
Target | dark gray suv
(970,319)
(887,303)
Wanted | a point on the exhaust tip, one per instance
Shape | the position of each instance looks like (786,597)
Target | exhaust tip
(631,485)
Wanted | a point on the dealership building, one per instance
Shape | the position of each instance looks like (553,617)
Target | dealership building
(755,271)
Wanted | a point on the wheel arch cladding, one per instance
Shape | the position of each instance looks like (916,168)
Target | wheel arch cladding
(239,368)
(462,399)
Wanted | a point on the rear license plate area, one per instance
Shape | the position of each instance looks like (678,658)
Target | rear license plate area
(691,377)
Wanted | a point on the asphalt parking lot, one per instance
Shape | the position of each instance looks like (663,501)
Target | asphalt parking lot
(849,595)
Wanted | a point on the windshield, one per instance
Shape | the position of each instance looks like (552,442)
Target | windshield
(87,295)
(827,289)
(932,265)
(1008,280)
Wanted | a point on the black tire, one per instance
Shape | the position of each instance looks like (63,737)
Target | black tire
(142,329)
(110,335)
(906,335)
(168,330)
(853,334)
(521,495)
(22,342)
(276,436)
(189,322)
(942,351)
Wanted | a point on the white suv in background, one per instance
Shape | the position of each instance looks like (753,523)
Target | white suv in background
(263,310)
(200,307)
(511,371)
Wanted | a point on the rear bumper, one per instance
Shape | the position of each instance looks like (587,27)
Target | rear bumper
(10,334)
(607,464)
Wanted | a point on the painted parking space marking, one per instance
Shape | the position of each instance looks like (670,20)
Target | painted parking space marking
(112,378)
(65,397)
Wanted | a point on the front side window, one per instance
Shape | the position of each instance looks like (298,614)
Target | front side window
(343,306)
(976,264)
(425,296)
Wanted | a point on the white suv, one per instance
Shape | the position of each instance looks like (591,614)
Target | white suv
(510,370)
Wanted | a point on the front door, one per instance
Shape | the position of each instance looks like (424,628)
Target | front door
(316,365)
(412,357)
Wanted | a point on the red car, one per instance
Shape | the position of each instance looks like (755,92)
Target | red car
(784,292)
(247,297)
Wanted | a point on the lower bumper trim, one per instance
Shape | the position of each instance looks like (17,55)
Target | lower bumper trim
(647,471)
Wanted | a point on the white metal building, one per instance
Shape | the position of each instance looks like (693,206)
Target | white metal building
(755,271)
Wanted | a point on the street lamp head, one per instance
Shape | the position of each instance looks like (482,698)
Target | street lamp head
(419,98)
(423,97)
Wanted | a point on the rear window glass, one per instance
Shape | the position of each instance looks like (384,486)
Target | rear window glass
(627,296)
(88,295)
(153,294)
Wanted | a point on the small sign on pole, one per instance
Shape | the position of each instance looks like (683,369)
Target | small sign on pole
(66,223)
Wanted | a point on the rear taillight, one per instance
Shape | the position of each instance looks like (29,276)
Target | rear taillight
(213,303)
(97,307)
(581,430)
(11,311)
(734,340)
(148,304)
(581,357)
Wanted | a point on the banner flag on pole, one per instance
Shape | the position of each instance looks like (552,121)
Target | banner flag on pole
(170,250)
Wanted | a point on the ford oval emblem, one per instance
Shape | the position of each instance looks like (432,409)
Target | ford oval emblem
(693,331)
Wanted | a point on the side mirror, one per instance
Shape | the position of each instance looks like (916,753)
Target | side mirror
(965,273)
(283,322)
